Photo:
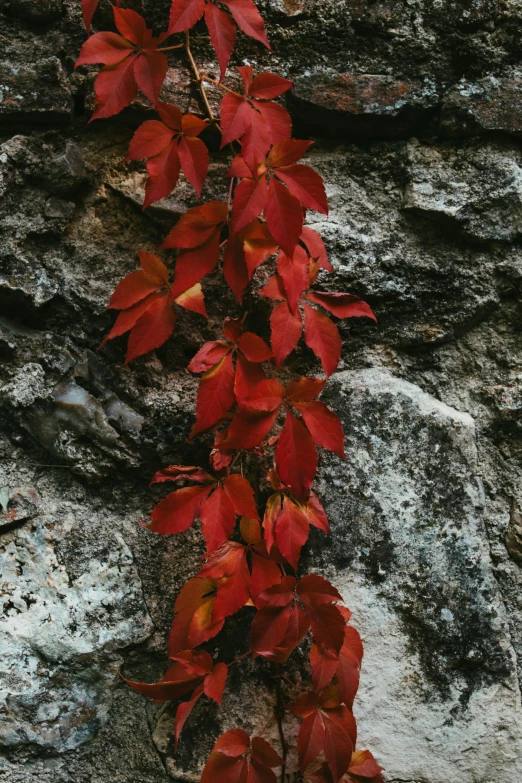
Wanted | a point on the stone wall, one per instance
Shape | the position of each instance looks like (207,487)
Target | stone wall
(416,108)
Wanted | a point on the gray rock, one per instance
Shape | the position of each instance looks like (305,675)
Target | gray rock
(491,104)
(408,549)
(354,105)
(484,198)
(34,89)
(61,632)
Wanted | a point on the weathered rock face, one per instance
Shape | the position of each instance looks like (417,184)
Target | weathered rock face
(415,108)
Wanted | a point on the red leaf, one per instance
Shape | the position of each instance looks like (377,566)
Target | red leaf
(316,513)
(327,625)
(304,389)
(192,125)
(152,329)
(197,225)
(215,682)
(274,289)
(238,168)
(325,427)
(183,712)
(175,684)
(284,216)
(298,627)
(249,201)
(88,9)
(115,88)
(292,530)
(364,765)
(316,248)
(339,740)
(192,299)
(324,665)
(193,623)
(233,743)
(235,118)
(181,473)
(177,512)
(229,567)
(215,395)
(222,769)
(350,657)
(280,595)
(192,265)
(272,512)
(277,117)
(256,141)
(287,151)
(306,184)
(193,156)
(296,456)
(327,728)
(248,19)
(258,245)
(286,330)
(266,397)
(128,318)
(342,305)
(130,24)
(153,267)
(163,170)
(264,754)
(317,590)
(232,329)
(234,267)
(248,375)
(269,85)
(133,288)
(254,348)
(222,32)
(251,531)
(150,70)
(107,48)
(265,573)
(170,115)
(247,74)
(294,272)
(218,519)
(184,14)
(311,739)
(322,336)
(248,430)
(268,629)
(241,494)
(209,355)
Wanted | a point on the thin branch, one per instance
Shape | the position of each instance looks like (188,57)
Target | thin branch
(240,658)
(197,74)
(230,192)
(170,48)
(222,86)
(279,713)
(267,724)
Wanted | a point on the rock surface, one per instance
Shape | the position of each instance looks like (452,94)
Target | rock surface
(415,109)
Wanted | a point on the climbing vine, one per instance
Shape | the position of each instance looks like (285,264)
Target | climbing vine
(255,423)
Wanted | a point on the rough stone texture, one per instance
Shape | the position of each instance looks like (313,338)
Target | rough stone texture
(415,108)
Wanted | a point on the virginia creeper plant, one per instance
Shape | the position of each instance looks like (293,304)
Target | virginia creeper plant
(244,410)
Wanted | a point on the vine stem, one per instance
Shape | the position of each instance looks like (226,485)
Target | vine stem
(197,74)
(240,658)
(170,48)
(222,86)
(279,713)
